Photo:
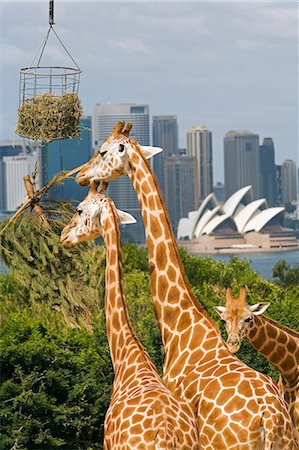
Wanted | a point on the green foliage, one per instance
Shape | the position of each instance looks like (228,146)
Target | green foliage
(68,281)
(287,275)
(56,380)
(55,385)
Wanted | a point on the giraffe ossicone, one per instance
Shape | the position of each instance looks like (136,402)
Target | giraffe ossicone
(87,223)
(237,407)
(143,413)
(237,316)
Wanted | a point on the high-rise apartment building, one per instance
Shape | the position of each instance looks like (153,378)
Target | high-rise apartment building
(180,182)
(278,185)
(288,181)
(241,162)
(268,171)
(14,168)
(121,190)
(199,145)
(66,154)
(165,135)
(8,149)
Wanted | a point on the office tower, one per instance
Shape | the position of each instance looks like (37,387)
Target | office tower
(267,171)
(165,135)
(66,154)
(10,149)
(180,183)
(241,162)
(14,168)
(219,191)
(289,181)
(199,145)
(121,190)
(278,185)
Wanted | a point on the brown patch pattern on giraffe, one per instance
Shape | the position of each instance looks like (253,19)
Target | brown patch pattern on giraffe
(197,362)
(277,343)
(143,413)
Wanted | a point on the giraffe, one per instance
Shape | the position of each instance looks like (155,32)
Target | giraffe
(143,413)
(278,344)
(237,407)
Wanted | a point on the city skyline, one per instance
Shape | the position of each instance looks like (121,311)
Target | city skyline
(206,75)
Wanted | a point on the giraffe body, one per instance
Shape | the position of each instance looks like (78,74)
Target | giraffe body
(275,342)
(143,413)
(237,407)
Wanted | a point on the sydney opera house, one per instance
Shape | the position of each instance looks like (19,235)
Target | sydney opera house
(240,224)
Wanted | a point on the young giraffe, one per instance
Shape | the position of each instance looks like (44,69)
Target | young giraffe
(278,344)
(143,413)
(237,407)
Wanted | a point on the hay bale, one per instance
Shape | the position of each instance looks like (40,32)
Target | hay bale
(48,117)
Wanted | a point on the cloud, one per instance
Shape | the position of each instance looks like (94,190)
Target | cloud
(129,45)
(226,64)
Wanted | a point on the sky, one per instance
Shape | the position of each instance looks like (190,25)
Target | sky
(226,65)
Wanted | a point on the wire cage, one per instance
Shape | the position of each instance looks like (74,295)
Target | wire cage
(49,106)
(54,80)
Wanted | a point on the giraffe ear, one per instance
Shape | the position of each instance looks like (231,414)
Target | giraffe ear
(125,218)
(148,151)
(259,308)
(219,309)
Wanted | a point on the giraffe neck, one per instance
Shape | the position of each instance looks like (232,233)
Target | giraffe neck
(278,345)
(121,337)
(183,324)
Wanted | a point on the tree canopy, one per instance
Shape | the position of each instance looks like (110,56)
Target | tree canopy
(56,370)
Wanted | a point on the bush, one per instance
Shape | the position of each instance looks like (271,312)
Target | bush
(56,380)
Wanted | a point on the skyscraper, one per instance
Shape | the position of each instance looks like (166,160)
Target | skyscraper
(180,182)
(241,162)
(199,145)
(14,169)
(165,135)
(289,181)
(267,171)
(9,149)
(121,190)
(278,185)
(66,154)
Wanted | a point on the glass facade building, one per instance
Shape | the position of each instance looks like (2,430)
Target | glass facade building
(268,171)
(165,135)
(66,154)
(199,145)
(241,162)
(121,189)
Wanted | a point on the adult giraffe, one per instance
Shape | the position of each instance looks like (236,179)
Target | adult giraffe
(237,407)
(143,413)
(278,344)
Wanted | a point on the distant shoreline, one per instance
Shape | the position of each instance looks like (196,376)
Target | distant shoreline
(238,251)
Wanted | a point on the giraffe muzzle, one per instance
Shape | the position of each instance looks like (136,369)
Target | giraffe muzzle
(233,344)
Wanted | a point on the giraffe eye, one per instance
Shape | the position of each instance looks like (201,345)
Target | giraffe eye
(121,149)
(103,153)
(247,320)
(79,211)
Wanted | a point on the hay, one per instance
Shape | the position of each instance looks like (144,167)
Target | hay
(48,117)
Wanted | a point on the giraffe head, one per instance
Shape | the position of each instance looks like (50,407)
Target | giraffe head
(237,316)
(89,221)
(114,158)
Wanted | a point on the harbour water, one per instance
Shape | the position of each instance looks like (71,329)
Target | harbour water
(263,263)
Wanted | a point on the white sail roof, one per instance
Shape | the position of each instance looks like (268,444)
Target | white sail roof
(244,214)
(214,223)
(248,212)
(258,222)
(234,200)
(207,216)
